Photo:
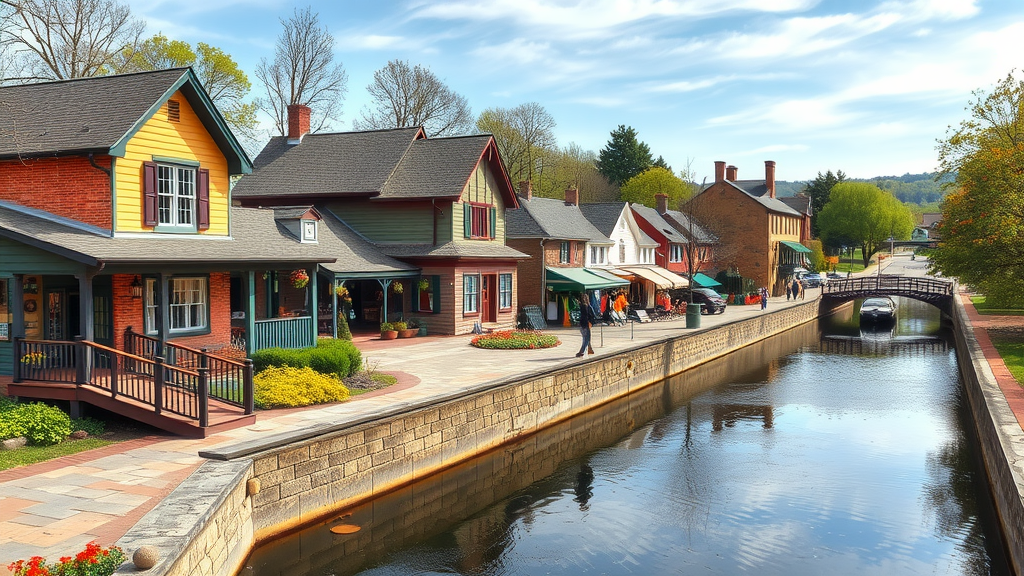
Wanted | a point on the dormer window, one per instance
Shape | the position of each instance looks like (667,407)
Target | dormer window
(308,231)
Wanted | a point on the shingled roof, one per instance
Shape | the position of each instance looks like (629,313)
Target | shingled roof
(393,164)
(257,238)
(551,218)
(100,114)
(605,215)
(758,190)
(452,250)
(690,227)
(654,219)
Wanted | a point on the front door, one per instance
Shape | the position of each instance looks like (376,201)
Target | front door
(488,297)
(56,315)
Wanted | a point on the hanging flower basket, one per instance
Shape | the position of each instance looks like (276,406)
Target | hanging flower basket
(397,288)
(299,278)
(341,291)
(424,284)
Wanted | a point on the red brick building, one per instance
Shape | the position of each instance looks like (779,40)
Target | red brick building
(759,234)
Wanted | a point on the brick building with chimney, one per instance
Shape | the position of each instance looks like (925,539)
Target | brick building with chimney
(759,235)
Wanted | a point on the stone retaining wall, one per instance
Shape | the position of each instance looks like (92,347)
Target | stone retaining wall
(308,474)
(1000,434)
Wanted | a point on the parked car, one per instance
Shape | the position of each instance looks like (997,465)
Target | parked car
(877,310)
(834,276)
(711,302)
(812,280)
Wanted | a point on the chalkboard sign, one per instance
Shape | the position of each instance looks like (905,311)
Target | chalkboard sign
(532,319)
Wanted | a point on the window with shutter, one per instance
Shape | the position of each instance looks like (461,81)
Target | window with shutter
(176,198)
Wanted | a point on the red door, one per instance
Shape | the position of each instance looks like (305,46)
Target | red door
(487,297)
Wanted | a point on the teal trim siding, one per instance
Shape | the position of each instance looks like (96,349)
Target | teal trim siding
(23,259)
(6,346)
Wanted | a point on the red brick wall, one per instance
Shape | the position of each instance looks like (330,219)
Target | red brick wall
(128,312)
(741,223)
(67,186)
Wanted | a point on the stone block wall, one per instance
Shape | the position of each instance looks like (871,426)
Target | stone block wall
(311,478)
(999,432)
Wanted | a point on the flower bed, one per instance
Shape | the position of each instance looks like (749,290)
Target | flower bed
(515,340)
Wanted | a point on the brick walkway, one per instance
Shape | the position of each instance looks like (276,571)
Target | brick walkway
(54,508)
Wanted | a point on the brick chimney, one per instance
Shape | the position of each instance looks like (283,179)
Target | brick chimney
(526,189)
(662,202)
(298,122)
(572,196)
(719,170)
(769,177)
(730,173)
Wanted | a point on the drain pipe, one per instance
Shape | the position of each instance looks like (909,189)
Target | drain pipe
(92,162)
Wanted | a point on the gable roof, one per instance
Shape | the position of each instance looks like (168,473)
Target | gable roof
(100,114)
(801,204)
(654,219)
(396,164)
(339,163)
(757,191)
(605,215)
(682,222)
(551,218)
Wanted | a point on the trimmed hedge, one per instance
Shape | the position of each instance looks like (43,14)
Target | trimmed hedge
(287,387)
(515,340)
(338,358)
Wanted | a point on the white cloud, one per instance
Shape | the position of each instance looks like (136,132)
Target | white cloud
(369,42)
(934,9)
(591,15)
(518,51)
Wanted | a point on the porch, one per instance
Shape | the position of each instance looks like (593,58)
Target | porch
(169,386)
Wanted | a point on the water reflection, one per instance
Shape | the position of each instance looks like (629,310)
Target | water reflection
(819,451)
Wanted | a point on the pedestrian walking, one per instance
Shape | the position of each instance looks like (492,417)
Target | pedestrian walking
(764,297)
(586,321)
(800,288)
(789,290)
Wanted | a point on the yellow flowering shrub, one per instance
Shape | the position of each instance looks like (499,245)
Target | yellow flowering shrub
(286,387)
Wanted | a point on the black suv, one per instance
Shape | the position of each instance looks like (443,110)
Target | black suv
(710,301)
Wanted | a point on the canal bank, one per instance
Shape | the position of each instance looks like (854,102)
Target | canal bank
(252,490)
(998,427)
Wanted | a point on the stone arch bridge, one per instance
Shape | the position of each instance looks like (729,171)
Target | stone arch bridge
(934,291)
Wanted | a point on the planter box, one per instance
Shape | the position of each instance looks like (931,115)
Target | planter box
(411,332)
(389,335)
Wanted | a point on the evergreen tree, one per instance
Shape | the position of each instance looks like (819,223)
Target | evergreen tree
(624,156)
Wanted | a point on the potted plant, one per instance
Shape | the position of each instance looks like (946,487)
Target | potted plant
(421,328)
(397,288)
(387,331)
(423,284)
(404,331)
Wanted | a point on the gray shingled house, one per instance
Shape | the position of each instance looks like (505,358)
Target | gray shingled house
(436,205)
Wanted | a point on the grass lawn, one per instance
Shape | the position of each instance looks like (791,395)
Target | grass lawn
(983,308)
(1012,352)
(844,263)
(33,454)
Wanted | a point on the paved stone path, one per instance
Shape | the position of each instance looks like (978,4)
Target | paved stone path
(54,508)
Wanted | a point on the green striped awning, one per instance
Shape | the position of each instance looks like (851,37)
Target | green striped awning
(795,246)
(580,279)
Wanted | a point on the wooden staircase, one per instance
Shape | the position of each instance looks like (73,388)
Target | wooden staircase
(213,396)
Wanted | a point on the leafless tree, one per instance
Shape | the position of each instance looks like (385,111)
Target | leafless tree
(6,42)
(303,72)
(522,133)
(405,95)
(61,39)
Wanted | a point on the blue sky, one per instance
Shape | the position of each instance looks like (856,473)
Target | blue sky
(863,86)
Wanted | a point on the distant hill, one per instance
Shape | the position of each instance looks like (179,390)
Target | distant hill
(909,188)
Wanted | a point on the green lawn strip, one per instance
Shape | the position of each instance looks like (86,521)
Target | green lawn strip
(983,308)
(33,454)
(1012,353)
(844,263)
(381,380)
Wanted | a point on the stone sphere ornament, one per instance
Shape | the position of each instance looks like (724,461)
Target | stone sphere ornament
(145,557)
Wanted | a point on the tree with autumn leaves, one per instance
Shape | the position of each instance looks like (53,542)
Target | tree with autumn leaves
(983,217)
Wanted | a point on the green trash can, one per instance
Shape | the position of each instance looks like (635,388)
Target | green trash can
(693,315)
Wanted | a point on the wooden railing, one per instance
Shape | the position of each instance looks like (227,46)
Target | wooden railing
(230,380)
(294,332)
(889,284)
(153,382)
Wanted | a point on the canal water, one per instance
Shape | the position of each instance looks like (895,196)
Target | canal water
(825,450)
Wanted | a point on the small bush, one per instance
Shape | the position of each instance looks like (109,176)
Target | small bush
(355,357)
(401,326)
(269,357)
(337,357)
(43,425)
(515,339)
(91,425)
(289,387)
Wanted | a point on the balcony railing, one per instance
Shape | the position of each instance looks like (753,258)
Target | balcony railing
(295,332)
